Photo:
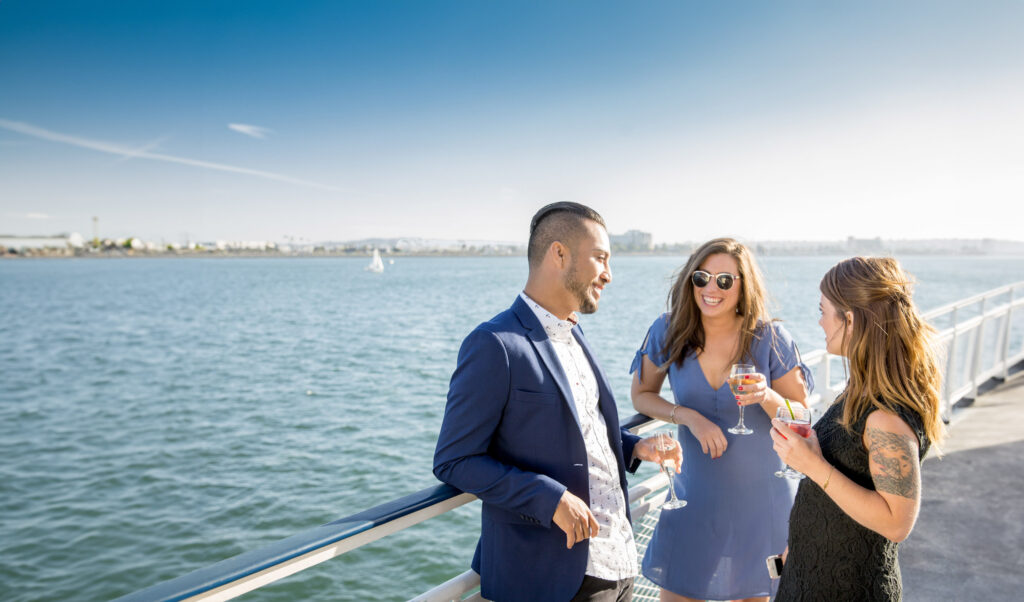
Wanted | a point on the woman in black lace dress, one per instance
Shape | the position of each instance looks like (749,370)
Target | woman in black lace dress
(863,487)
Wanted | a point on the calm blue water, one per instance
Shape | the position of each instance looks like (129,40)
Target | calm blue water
(159,415)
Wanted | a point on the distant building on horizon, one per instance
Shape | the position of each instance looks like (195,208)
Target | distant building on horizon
(632,240)
(59,241)
(865,245)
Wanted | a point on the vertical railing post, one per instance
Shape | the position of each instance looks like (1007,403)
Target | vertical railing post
(976,359)
(826,377)
(950,372)
(1006,337)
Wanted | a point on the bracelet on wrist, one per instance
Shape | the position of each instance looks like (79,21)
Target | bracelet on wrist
(672,414)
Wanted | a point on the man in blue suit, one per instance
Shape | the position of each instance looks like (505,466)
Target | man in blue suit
(531,428)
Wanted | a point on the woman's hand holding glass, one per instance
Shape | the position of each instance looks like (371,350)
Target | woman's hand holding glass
(802,454)
(752,389)
(743,378)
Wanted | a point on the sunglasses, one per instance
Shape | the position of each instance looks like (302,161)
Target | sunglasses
(724,280)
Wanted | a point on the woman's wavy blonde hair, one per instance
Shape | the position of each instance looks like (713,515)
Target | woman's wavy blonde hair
(685,329)
(890,349)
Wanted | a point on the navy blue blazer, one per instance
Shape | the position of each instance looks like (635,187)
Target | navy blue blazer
(511,436)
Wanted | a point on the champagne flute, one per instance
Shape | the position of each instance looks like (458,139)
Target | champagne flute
(664,441)
(741,374)
(798,418)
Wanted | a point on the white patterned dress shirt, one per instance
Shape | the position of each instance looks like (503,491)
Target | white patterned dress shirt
(613,553)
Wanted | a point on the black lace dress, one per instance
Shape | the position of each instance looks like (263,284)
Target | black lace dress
(831,557)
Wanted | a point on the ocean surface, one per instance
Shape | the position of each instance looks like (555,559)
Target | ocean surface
(160,415)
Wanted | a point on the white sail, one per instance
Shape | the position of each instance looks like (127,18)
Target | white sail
(376,265)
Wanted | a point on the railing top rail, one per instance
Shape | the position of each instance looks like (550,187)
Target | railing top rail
(252,562)
(814,356)
(944,309)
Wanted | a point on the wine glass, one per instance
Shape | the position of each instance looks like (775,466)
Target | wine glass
(741,374)
(799,419)
(665,441)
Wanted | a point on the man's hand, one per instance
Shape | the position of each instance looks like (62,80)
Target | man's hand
(574,517)
(647,449)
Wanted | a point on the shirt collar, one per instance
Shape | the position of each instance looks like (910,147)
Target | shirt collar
(558,330)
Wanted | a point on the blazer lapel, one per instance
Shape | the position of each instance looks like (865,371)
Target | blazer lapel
(546,350)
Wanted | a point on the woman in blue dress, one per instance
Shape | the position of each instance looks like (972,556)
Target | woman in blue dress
(738,510)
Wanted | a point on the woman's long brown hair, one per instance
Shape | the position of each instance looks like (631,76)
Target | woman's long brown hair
(890,349)
(685,329)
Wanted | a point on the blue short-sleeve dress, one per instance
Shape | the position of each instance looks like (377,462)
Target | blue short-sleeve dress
(738,510)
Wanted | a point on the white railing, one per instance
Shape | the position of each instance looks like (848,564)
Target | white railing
(976,336)
(974,341)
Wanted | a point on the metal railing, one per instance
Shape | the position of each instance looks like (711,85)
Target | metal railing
(974,334)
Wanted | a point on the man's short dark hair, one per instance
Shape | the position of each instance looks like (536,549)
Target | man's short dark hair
(562,221)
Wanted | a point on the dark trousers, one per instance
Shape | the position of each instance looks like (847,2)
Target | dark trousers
(603,590)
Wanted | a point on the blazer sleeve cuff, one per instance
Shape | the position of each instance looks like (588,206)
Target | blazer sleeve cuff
(629,441)
(548,514)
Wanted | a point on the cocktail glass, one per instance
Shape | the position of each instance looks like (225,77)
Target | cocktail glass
(798,418)
(665,441)
(739,375)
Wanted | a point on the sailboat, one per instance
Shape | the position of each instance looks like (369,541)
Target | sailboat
(376,265)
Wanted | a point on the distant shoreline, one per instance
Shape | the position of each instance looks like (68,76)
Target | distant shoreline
(632,242)
(217,254)
(60,254)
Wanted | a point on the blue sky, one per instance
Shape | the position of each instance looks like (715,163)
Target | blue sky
(342,120)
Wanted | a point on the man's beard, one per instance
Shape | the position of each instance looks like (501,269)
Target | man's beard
(581,290)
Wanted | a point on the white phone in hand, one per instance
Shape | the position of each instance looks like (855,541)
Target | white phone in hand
(774,566)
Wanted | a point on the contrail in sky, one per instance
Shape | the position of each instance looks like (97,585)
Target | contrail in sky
(130,153)
(254,131)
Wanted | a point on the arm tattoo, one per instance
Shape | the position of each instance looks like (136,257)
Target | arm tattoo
(896,465)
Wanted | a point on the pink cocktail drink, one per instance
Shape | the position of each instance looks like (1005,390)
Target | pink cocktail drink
(798,419)
(802,428)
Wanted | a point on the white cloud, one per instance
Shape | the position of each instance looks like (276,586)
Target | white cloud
(126,152)
(254,131)
(37,216)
